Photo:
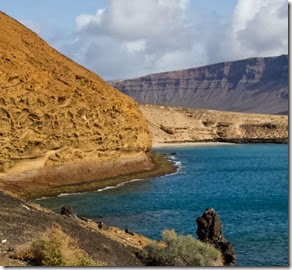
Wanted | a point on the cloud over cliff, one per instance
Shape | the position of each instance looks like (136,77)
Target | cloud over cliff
(258,28)
(131,38)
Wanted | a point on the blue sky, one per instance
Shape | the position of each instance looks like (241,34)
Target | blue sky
(129,38)
(59,12)
(64,12)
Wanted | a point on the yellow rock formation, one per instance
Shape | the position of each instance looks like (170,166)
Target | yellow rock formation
(55,112)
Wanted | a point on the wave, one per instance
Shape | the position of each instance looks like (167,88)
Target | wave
(176,162)
(61,195)
(119,185)
(42,198)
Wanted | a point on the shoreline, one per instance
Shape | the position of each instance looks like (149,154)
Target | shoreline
(221,142)
(162,166)
(189,144)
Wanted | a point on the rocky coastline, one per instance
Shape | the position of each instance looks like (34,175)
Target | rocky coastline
(65,130)
(110,245)
(159,165)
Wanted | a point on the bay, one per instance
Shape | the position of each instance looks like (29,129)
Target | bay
(246,184)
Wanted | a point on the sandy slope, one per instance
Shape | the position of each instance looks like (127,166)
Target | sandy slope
(55,114)
(177,125)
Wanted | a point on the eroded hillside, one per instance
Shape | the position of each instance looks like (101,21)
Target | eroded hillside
(54,112)
(177,125)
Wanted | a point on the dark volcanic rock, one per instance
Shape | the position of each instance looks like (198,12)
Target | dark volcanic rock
(209,227)
(21,222)
(129,232)
(101,225)
(257,85)
(67,210)
(210,230)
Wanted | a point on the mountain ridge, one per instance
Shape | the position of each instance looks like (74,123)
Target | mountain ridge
(258,85)
(198,67)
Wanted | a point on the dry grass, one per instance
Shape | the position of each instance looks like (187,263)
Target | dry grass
(180,250)
(54,248)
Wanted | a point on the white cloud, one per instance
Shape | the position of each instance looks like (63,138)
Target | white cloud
(258,28)
(135,19)
(84,19)
(267,30)
(131,38)
(136,46)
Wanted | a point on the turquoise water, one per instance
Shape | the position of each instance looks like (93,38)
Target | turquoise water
(246,184)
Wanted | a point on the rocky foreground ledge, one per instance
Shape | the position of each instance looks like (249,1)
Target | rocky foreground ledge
(22,222)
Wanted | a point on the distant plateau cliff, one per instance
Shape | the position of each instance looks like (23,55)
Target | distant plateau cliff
(258,85)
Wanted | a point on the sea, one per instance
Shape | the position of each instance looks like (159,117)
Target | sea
(246,184)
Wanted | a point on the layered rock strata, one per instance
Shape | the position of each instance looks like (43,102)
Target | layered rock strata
(59,122)
(258,85)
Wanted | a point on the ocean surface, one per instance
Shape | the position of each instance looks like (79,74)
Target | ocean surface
(246,184)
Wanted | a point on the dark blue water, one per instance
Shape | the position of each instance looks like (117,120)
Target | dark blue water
(246,184)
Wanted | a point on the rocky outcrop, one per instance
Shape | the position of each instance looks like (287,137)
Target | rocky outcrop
(58,120)
(22,222)
(67,211)
(179,125)
(258,85)
(210,231)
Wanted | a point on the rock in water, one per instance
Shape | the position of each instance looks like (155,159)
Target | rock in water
(67,210)
(129,232)
(209,226)
(210,230)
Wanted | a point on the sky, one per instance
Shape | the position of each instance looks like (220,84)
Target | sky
(121,39)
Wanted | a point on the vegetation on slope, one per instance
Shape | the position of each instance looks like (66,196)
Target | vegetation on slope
(54,248)
(180,250)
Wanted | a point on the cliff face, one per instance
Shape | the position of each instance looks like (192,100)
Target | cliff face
(257,85)
(177,125)
(54,112)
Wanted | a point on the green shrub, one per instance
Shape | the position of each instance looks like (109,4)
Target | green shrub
(55,248)
(180,250)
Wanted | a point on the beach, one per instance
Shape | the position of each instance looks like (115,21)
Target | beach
(188,144)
